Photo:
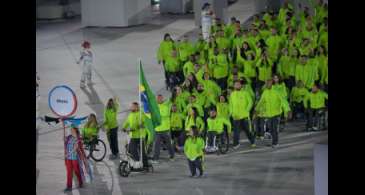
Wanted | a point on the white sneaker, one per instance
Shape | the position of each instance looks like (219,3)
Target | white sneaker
(236,147)
(315,128)
(275,146)
(154,162)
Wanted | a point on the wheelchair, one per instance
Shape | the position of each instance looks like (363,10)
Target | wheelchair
(220,143)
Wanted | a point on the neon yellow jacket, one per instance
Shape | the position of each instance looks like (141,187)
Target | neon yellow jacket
(165,112)
(180,103)
(271,104)
(194,147)
(237,42)
(188,68)
(307,73)
(229,31)
(199,123)
(240,104)
(197,106)
(223,110)
(133,122)
(172,64)
(89,132)
(201,98)
(281,89)
(217,124)
(221,68)
(298,94)
(110,118)
(176,121)
(248,65)
(284,66)
(164,50)
(315,100)
(185,50)
(211,87)
(200,45)
(322,62)
(273,46)
(223,43)
(265,70)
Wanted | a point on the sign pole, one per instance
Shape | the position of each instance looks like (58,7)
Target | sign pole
(140,113)
(64,138)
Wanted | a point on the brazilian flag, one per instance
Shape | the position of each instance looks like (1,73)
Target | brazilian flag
(150,107)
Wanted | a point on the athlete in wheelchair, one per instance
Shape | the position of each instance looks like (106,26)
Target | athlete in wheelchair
(315,106)
(218,132)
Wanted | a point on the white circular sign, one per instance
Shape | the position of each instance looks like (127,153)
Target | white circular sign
(62,101)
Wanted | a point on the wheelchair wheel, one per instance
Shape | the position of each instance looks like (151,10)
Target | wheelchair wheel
(124,169)
(98,150)
(224,147)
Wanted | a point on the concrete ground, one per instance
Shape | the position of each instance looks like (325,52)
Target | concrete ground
(285,170)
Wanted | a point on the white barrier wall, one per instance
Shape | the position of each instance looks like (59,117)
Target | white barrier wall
(321,169)
(115,13)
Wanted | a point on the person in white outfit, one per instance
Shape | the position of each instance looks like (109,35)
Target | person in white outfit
(207,15)
(87,59)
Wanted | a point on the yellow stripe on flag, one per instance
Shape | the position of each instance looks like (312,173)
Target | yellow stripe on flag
(141,88)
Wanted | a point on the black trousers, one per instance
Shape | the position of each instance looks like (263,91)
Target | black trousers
(259,85)
(290,82)
(179,136)
(113,140)
(297,108)
(196,164)
(180,76)
(260,124)
(239,125)
(162,136)
(174,78)
(273,125)
(325,88)
(134,150)
(222,83)
(313,117)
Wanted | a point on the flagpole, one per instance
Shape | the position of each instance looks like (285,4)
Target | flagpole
(140,111)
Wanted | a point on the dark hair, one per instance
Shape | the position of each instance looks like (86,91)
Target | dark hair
(193,83)
(262,43)
(110,104)
(166,35)
(173,95)
(195,131)
(195,113)
(213,108)
(205,5)
(243,81)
